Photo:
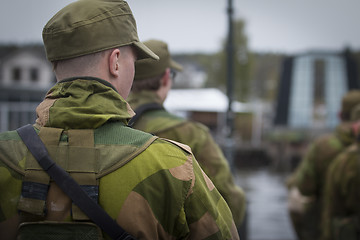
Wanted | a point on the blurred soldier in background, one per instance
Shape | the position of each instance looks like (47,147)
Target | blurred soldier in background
(341,215)
(307,182)
(152,82)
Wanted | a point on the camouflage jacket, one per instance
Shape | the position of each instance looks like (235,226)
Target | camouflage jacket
(198,137)
(342,194)
(154,188)
(310,178)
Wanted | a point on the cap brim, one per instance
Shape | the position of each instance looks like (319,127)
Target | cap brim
(175,65)
(144,52)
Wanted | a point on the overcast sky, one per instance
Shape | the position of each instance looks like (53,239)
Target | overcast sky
(201,25)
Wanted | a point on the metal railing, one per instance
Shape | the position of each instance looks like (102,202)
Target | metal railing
(16,114)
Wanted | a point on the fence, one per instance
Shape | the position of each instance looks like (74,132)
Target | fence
(16,114)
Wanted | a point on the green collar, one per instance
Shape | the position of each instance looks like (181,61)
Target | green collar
(89,78)
(82,103)
(143,97)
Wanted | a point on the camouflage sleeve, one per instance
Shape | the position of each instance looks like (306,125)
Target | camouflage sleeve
(11,173)
(341,196)
(329,201)
(10,188)
(213,162)
(207,213)
(311,173)
(305,177)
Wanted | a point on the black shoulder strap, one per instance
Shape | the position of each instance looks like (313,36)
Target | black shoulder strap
(142,109)
(69,186)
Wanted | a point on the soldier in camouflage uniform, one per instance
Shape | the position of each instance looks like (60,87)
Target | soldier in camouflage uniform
(341,215)
(153,80)
(309,178)
(154,188)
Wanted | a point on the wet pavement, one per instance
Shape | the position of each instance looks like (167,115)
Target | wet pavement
(267,217)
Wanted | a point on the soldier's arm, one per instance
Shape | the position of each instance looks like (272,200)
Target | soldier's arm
(207,213)
(305,177)
(215,165)
(330,198)
(212,160)
(10,188)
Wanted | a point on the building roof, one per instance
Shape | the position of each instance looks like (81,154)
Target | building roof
(8,51)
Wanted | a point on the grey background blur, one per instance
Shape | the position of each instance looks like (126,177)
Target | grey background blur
(286,26)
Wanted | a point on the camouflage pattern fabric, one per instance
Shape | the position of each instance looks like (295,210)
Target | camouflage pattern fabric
(154,188)
(198,137)
(310,177)
(341,213)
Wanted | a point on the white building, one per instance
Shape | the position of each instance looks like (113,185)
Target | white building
(25,76)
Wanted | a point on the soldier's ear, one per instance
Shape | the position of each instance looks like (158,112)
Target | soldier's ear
(114,62)
(355,127)
(165,80)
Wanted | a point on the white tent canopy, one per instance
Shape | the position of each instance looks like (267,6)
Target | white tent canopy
(180,101)
(202,100)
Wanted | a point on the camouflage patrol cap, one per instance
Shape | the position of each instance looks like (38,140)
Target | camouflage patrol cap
(148,68)
(90,26)
(349,101)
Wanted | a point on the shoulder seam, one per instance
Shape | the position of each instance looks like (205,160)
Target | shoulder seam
(181,145)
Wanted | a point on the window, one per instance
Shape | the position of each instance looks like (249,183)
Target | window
(319,110)
(34,74)
(335,89)
(319,78)
(301,93)
(16,74)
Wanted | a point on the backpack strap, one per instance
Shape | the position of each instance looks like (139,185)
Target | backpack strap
(142,109)
(69,185)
